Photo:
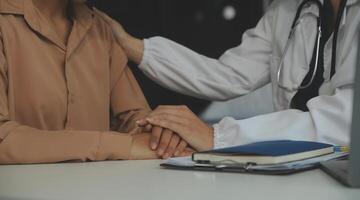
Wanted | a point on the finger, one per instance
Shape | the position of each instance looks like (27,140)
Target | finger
(187,152)
(164,141)
(180,148)
(155,137)
(148,128)
(142,122)
(170,150)
(175,126)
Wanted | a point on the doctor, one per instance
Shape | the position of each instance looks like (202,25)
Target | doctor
(306,49)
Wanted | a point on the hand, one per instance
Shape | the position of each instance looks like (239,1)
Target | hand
(165,142)
(185,123)
(140,149)
(133,47)
(187,152)
(118,30)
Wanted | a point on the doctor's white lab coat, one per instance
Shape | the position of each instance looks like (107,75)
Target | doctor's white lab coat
(255,63)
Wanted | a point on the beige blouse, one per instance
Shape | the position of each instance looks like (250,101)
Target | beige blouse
(56,101)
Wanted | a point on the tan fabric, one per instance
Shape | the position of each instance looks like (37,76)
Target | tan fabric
(56,100)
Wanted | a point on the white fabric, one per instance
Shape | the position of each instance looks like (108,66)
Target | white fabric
(254,63)
(258,102)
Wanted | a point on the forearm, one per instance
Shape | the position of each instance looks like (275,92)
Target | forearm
(183,70)
(25,145)
(22,144)
(328,120)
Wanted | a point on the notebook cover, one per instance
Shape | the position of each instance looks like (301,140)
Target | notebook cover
(271,148)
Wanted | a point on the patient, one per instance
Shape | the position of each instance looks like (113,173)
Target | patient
(62,80)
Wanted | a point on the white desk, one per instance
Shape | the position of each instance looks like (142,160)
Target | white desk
(128,180)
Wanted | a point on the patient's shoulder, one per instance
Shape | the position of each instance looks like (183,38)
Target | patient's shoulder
(11,6)
(101,25)
(106,30)
(9,9)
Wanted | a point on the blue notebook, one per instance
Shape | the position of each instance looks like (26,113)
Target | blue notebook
(265,153)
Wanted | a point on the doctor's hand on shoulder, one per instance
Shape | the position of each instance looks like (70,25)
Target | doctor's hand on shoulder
(133,47)
(181,120)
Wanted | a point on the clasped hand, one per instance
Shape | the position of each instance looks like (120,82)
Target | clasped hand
(177,131)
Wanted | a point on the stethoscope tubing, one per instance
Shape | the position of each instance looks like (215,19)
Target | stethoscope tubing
(295,24)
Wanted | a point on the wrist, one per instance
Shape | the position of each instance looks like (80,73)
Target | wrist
(140,149)
(211,138)
(207,140)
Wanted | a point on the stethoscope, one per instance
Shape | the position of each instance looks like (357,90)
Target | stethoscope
(295,24)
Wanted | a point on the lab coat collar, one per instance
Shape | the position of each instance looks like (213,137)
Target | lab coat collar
(313,9)
(348,3)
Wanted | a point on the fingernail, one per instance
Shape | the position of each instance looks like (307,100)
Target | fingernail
(176,153)
(138,121)
(153,145)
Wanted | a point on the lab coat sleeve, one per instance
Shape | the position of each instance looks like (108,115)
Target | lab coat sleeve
(328,120)
(237,72)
